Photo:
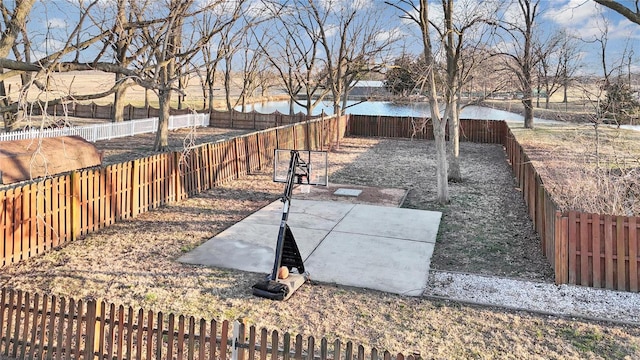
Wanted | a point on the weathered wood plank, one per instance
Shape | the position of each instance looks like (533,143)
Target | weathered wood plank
(621,254)
(572,248)
(585,275)
(608,251)
(634,279)
(170,335)
(597,254)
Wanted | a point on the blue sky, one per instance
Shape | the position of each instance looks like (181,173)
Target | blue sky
(583,18)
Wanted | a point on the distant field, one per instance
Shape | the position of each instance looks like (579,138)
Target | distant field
(87,82)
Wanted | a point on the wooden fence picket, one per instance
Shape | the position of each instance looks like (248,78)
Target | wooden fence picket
(634,274)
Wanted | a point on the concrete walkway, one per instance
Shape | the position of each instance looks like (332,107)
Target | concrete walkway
(375,247)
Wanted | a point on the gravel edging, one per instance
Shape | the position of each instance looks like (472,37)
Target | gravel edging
(548,298)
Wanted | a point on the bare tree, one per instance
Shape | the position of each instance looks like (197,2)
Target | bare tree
(294,53)
(569,63)
(420,15)
(119,42)
(252,59)
(518,39)
(14,21)
(350,33)
(552,58)
(460,37)
(167,52)
(458,45)
(35,72)
(235,45)
(558,62)
(212,54)
(631,13)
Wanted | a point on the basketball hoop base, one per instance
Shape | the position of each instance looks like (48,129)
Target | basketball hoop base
(293,282)
(280,289)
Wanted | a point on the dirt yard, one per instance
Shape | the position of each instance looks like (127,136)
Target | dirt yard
(484,230)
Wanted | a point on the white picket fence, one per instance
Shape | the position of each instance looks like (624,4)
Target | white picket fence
(107,131)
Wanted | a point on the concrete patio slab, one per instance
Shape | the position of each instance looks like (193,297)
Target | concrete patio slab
(373,262)
(417,225)
(306,214)
(250,247)
(380,248)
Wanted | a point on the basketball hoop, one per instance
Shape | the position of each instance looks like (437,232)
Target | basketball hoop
(291,167)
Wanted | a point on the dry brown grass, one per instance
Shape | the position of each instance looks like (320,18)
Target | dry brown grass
(91,82)
(576,111)
(133,263)
(585,170)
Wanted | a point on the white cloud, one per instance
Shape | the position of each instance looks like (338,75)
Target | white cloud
(56,23)
(389,35)
(48,47)
(220,7)
(341,5)
(572,12)
(360,4)
(331,30)
(258,10)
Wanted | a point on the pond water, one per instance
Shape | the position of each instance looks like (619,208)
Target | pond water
(387,108)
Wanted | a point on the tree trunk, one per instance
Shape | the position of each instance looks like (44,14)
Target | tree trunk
(162,135)
(210,99)
(227,83)
(528,111)
(454,174)
(439,125)
(119,101)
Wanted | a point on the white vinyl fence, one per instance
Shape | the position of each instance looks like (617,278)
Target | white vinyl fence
(107,131)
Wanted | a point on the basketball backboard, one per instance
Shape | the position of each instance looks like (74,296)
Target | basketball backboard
(313,162)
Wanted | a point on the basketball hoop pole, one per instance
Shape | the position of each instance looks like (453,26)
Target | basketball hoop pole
(293,177)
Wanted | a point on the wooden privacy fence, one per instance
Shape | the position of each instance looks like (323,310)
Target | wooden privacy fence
(480,131)
(95,111)
(42,215)
(584,249)
(255,120)
(48,327)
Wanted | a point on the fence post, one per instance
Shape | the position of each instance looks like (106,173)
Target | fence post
(178,178)
(135,188)
(237,352)
(76,216)
(561,249)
